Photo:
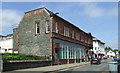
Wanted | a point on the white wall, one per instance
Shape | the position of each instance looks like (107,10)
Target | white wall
(6,44)
(110,53)
(100,47)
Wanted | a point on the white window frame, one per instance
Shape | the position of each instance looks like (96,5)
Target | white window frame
(47,26)
(68,32)
(64,30)
(73,34)
(56,27)
(36,24)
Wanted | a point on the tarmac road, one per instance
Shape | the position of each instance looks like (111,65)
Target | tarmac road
(94,68)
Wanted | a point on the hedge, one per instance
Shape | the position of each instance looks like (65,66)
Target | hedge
(14,56)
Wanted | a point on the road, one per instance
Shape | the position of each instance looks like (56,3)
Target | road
(94,68)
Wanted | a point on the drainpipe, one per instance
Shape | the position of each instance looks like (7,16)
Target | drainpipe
(52,57)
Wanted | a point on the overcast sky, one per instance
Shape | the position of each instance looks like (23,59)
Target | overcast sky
(98,18)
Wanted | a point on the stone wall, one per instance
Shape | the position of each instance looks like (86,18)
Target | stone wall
(15,38)
(29,41)
(14,65)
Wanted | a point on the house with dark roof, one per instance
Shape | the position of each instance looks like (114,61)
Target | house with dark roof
(44,33)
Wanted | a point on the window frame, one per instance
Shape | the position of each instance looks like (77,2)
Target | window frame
(56,28)
(46,27)
(38,21)
(73,34)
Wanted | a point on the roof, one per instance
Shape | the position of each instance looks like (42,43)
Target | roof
(6,35)
(51,14)
(95,39)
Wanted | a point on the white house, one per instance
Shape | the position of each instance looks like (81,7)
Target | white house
(98,48)
(110,54)
(6,44)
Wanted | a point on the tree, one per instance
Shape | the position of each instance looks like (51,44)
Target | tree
(115,50)
(108,48)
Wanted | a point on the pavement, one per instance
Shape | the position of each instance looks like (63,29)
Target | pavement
(53,68)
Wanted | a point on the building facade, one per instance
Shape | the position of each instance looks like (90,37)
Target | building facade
(43,33)
(6,44)
(110,53)
(98,48)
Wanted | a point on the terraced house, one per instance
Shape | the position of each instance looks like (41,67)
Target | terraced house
(42,32)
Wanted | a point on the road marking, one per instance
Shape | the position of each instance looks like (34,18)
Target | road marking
(68,68)
(71,68)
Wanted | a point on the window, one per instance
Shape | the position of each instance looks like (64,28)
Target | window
(56,27)
(77,36)
(37,27)
(47,26)
(5,50)
(66,31)
(85,39)
(82,37)
(89,41)
(95,48)
(95,41)
(61,51)
(73,34)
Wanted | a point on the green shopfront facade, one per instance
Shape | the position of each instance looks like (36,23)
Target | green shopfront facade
(68,52)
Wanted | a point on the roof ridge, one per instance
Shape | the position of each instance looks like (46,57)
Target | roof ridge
(39,9)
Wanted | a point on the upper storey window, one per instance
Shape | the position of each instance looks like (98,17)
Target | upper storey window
(56,27)
(77,36)
(37,27)
(66,31)
(85,39)
(47,26)
(82,37)
(73,34)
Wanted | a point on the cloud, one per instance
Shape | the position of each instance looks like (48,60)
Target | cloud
(113,44)
(95,11)
(9,19)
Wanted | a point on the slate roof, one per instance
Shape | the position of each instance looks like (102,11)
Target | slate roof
(51,13)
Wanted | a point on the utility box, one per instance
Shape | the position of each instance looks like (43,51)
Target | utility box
(113,67)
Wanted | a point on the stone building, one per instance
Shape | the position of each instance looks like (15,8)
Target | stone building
(43,33)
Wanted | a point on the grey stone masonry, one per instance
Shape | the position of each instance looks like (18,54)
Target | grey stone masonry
(29,41)
(15,43)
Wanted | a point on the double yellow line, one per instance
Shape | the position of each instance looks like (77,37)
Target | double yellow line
(69,68)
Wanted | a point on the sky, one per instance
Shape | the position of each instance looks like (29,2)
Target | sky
(98,18)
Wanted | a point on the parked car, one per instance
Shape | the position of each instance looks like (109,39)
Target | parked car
(116,59)
(95,60)
(104,57)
